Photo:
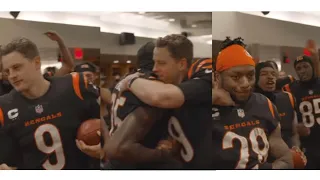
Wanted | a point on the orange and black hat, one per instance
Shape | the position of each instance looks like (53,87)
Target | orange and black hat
(303,58)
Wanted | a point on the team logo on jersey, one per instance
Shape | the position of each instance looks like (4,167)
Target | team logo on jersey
(310,92)
(39,109)
(241,113)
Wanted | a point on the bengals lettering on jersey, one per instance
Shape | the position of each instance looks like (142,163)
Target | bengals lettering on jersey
(240,134)
(43,131)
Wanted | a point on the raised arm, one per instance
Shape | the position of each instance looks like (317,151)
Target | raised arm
(68,62)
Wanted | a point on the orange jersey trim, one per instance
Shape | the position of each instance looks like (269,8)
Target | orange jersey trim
(291,98)
(271,108)
(76,84)
(1,117)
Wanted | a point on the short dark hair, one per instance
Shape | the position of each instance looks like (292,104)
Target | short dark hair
(178,45)
(228,42)
(145,56)
(274,64)
(21,45)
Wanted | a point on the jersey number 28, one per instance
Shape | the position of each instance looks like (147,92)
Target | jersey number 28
(262,153)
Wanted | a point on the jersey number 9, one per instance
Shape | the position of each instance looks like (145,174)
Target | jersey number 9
(176,132)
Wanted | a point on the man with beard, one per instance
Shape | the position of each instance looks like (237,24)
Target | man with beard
(307,94)
(243,135)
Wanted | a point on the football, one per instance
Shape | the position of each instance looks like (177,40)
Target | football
(87,132)
(298,162)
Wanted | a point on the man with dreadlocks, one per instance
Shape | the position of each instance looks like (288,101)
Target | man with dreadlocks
(245,133)
(306,91)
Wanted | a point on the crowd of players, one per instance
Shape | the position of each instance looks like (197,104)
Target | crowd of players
(261,121)
(148,122)
(173,113)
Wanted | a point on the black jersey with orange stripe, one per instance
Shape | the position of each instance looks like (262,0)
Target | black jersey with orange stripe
(201,68)
(285,103)
(124,104)
(240,134)
(190,124)
(44,129)
(308,111)
(197,87)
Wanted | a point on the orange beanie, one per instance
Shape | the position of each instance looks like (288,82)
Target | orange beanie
(232,56)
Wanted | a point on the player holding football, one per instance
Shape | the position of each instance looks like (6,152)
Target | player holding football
(244,134)
(187,90)
(39,118)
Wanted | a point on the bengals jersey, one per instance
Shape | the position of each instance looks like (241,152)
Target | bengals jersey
(240,134)
(43,131)
(285,104)
(308,111)
(190,124)
(122,106)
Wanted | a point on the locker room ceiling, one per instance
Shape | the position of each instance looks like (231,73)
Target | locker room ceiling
(197,23)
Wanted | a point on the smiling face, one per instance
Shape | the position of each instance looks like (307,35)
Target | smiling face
(238,81)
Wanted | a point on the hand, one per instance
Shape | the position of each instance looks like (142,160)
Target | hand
(220,96)
(6,167)
(93,151)
(123,85)
(171,146)
(302,130)
(53,36)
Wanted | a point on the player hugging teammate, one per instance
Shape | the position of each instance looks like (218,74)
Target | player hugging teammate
(175,101)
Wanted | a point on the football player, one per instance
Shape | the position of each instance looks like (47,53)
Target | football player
(90,70)
(313,54)
(187,90)
(285,103)
(40,117)
(244,134)
(137,128)
(265,84)
(307,94)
